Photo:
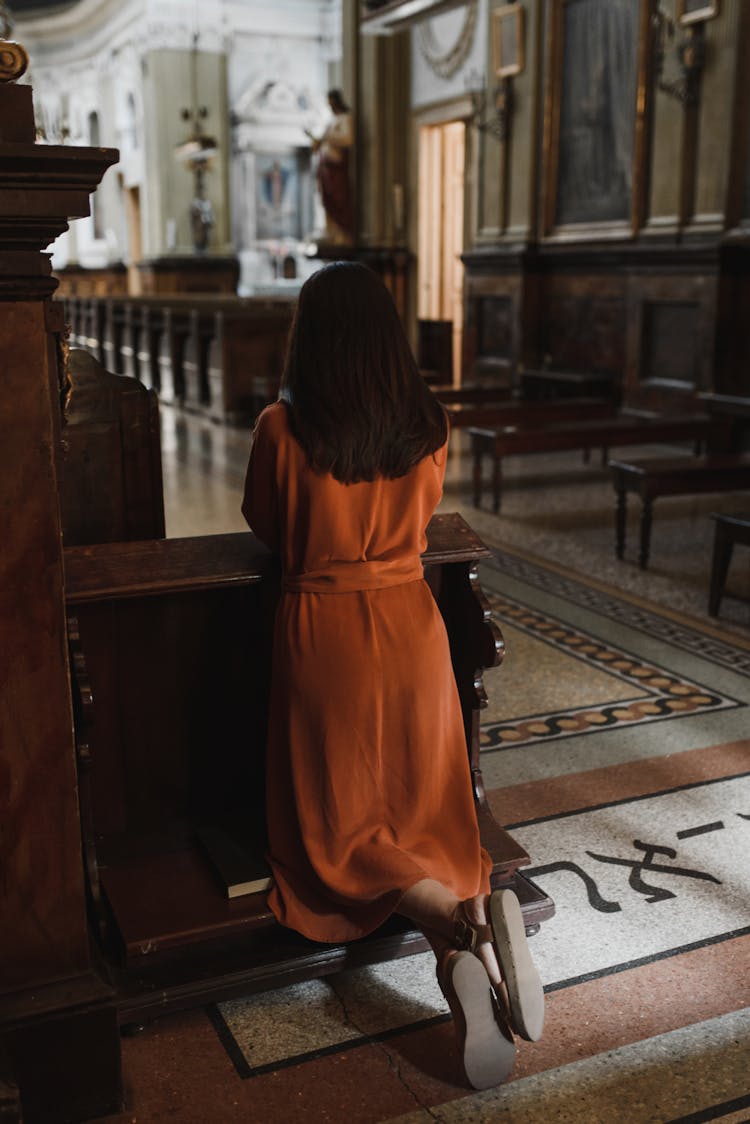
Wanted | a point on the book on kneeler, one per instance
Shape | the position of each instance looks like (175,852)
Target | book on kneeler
(239,869)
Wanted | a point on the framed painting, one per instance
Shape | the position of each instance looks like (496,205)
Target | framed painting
(694,11)
(507,40)
(280,203)
(595,117)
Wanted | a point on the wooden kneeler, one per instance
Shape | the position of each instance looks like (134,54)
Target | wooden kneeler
(171,644)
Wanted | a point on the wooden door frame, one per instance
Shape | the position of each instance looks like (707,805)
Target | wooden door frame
(442,113)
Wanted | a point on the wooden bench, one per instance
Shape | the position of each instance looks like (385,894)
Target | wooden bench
(246,357)
(497,442)
(526,414)
(729,530)
(435,350)
(735,410)
(113,336)
(471,392)
(544,384)
(683,476)
(171,645)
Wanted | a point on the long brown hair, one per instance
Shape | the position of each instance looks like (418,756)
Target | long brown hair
(359,406)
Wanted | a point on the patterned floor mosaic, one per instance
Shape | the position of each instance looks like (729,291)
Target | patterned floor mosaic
(679,634)
(657,694)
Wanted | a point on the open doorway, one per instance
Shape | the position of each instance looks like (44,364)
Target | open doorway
(442,154)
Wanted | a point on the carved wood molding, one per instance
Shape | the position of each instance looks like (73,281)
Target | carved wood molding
(13,61)
(41,186)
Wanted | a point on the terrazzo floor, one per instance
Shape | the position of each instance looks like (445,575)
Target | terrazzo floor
(616,746)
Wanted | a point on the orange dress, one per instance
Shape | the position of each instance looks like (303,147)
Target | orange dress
(368,784)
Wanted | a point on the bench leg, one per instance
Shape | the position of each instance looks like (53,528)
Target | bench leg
(646,513)
(586,456)
(719,568)
(605,456)
(476,475)
(620,522)
(497,482)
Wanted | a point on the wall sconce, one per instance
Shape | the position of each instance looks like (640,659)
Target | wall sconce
(491,112)
(691,56)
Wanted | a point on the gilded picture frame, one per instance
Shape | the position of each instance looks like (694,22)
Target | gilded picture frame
(695,11)
(554,222)
(508,40)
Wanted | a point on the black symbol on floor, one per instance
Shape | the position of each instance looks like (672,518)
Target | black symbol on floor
(596,901)
(637,883)
(702,829)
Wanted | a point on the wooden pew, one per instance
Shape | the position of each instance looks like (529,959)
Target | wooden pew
(220,355)
(147,355)
(500,441)
(171,645)
(175,329)
(544,384)
(113,335)
(683,476)
(195,360)
(526,414)
(111,480)
(435,350)
(730,529)
(471,393)
(91,333)
(130,342)
(734,409)
(246,357)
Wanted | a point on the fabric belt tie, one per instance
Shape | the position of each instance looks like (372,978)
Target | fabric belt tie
(355,577)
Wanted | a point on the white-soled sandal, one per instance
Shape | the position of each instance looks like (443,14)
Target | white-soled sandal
(485,1045)
(522,981)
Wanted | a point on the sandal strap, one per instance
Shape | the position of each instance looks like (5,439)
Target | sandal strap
(467,935)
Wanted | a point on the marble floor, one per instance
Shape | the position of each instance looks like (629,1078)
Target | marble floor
(616,747)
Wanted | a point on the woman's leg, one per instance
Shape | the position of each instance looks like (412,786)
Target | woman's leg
(485,1044)
(433,908)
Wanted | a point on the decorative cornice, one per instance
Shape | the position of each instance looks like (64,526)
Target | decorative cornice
(41,187)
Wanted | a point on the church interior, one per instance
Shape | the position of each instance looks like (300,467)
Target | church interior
(556,193)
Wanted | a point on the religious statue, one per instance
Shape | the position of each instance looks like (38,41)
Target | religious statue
(201,221)
(333,172)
